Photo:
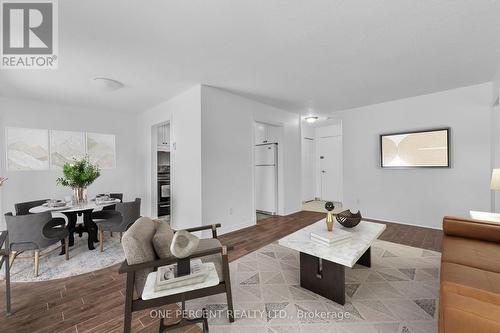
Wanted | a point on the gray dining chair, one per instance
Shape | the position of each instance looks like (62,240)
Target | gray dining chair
(23,208)
(118,220)
(35,232)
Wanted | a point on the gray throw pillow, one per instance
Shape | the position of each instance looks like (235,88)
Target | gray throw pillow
(162,240)
(138,248)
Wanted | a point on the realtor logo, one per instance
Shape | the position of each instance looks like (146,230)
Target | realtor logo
(29,34)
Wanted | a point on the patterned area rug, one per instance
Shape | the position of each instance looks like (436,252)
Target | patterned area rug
(81,260)
(398,294)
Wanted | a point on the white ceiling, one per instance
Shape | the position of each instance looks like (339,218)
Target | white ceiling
(294,54)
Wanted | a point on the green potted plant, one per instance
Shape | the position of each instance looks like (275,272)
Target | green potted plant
(79,175)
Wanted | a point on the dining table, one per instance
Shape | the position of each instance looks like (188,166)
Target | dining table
(72,211)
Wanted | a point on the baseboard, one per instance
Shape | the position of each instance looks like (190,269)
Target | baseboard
(370,219)
(291,212)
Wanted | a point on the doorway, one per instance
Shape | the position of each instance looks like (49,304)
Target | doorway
(330,168)
(308,174)
(161,171)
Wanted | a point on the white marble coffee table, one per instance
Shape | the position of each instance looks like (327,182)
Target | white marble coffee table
(322,268)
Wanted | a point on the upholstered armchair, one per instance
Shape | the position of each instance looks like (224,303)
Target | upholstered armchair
(146,245)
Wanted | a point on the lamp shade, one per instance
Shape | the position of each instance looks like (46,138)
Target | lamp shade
(495,179)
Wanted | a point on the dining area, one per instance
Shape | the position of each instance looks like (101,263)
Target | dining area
(56,237)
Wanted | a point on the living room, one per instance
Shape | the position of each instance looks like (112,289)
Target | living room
(332,166)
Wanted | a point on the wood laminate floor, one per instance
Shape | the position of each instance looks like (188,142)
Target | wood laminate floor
(93,302)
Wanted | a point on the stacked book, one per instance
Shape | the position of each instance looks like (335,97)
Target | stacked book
(331,238)
(167,278)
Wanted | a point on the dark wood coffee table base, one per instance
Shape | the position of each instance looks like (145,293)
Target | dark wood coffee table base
(327,278)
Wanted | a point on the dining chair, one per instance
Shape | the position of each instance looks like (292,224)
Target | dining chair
(23,208)
(35,232)
(118,220)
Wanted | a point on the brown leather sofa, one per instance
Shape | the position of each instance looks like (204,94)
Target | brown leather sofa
(470,277)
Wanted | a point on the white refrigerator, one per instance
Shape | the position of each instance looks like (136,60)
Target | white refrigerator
(266,178)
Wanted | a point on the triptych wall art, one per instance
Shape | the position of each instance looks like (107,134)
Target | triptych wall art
(41,149)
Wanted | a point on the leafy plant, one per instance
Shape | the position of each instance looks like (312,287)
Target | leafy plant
(79,174)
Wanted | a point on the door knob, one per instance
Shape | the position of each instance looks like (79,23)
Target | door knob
(323,171)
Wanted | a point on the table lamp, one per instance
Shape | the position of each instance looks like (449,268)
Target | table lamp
(495,179)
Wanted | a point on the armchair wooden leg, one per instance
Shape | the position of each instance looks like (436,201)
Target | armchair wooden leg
(129,295)
(111,233)
(101,240)
(37,262)
(66,247)
(121,235)
(12,257)
(227,282)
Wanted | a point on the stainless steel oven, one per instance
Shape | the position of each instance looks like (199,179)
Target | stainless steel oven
(164,191)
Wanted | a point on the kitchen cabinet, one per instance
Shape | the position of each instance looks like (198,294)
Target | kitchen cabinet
(265,133)
(163,136)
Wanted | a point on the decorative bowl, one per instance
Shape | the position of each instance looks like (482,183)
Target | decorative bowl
(348,219)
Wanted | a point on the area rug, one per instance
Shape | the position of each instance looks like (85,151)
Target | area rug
(398,294)
(82,260)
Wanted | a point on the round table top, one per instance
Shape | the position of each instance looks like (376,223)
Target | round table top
(74,208)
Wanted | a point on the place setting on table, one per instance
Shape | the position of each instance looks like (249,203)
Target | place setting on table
(78,175)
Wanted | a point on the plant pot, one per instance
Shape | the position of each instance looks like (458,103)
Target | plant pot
(79,195)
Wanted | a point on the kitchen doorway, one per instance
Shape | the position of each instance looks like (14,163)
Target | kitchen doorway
(266,169)
(161,189)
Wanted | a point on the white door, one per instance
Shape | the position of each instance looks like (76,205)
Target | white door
(330,167)
(308,181)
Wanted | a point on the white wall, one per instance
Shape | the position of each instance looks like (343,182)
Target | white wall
(228,153)
(184,114)
(420,196)
(33,185)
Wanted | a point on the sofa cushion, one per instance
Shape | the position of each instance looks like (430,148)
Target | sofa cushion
(472,229)
(471,252)
(462,314)
(162,240)
(471,282)
(137,244)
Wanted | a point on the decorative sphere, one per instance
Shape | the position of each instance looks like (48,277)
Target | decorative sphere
(329,206)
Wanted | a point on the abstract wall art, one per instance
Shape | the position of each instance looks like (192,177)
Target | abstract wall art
(101,150)
(27,149)
(65,146)
(42,149)
(418,149)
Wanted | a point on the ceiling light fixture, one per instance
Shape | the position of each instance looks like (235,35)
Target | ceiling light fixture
(106,84)
(311,119)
